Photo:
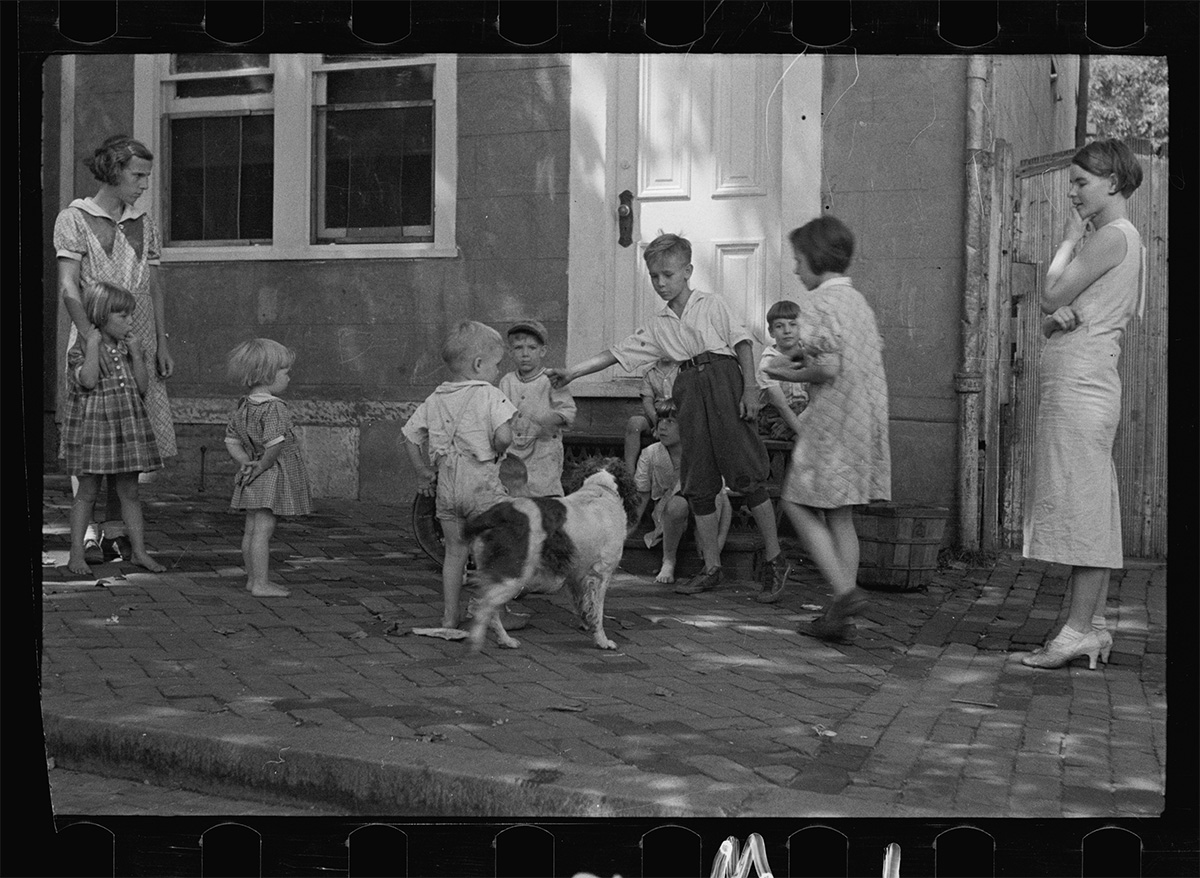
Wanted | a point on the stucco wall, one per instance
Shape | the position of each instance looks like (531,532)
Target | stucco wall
(369,331)
(892,154)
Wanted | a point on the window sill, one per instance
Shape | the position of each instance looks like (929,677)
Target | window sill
(311,253)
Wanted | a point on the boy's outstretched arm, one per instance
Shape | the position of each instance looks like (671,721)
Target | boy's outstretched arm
(563,377)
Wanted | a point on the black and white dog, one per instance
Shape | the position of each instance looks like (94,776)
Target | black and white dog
(538,544)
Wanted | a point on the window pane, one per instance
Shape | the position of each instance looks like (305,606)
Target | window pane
(378,84)
(259,84)
(222,178)
(379,172)
(211,63)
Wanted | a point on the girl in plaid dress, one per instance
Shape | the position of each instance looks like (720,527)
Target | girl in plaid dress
(106,429)
(272,480)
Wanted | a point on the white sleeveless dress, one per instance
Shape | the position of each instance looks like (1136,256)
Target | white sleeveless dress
(1072,513)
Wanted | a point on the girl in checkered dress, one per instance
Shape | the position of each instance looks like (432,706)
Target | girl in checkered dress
(272,479)
(106,429)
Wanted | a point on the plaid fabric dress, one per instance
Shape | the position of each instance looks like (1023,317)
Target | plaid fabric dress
(284,488)
(106,429)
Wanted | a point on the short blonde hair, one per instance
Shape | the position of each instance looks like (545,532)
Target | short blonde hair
(668,245)
(468,340)
(102,299)
(255,362)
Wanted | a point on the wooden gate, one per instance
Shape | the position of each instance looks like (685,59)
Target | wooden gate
(1140,451)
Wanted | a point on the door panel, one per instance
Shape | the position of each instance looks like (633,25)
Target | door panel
(696,147)
(699,141)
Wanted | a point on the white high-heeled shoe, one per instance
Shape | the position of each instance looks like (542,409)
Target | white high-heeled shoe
(1070,645)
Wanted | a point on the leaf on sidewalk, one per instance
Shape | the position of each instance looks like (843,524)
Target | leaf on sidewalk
(443,633)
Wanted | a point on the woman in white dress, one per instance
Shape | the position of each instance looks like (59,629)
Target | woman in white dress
(1092,290)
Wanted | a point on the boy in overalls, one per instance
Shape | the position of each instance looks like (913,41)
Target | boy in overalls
(464,426)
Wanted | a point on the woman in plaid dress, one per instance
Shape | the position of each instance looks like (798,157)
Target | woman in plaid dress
(272,479)
(106,429)
(107,238)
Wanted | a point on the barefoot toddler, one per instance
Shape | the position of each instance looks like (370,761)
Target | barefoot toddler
(272,479)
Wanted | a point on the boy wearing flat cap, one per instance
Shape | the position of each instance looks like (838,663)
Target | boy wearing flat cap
(543,412)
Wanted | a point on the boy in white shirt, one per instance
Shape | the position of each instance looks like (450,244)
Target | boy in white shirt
(718,404)
(782,401)
(543,412)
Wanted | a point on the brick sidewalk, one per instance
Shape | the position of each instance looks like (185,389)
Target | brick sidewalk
(711,705)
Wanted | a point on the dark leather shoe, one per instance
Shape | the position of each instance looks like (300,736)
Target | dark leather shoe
(118,548)
(774,579)
(827,630)
(92,553)
(703,581)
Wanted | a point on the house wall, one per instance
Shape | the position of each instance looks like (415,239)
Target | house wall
(368,332)
(893,154)
(892,157)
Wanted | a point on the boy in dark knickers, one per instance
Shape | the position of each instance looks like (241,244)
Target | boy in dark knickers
(718,403)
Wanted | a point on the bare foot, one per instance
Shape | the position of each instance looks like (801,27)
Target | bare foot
(267,590)
(147,562)
(78,566)
(666,573)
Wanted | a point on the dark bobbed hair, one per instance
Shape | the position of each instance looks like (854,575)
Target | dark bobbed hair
(666,408)
(1109,156)
(826,242)
(102,299)
(784,309)
(112,156)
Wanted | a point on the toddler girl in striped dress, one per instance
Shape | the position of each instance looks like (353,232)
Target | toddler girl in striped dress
(272,480)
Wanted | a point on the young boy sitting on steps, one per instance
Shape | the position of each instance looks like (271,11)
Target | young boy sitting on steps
(657,479)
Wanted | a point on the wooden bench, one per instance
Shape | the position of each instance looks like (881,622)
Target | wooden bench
(743,553)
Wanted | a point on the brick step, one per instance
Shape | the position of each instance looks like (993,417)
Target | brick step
(740,559)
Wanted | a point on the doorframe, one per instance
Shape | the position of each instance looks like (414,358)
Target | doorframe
(591,273)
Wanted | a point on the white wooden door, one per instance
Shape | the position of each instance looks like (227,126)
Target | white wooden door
(693,137)
(699,140)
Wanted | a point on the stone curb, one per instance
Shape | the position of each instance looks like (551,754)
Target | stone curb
(367,776)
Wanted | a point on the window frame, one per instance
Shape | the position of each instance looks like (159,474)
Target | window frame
(320,102)
(293,98)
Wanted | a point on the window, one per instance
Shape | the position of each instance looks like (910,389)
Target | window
(374,149)
(301,156)
(219,150)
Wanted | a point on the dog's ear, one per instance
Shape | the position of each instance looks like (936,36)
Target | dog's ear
(499,516)
(626,487)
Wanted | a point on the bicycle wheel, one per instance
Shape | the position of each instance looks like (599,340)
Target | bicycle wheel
(427,529)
